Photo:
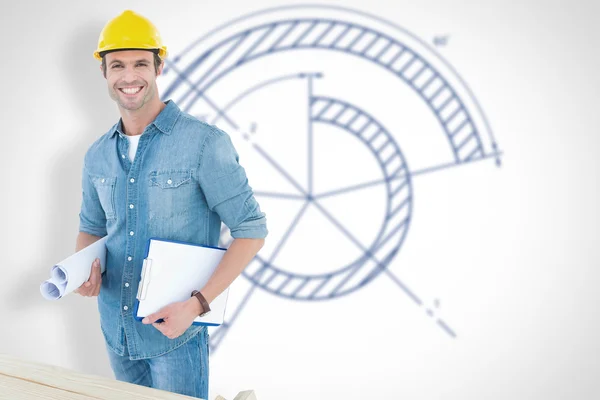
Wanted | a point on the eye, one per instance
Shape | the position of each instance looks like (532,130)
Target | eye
(142,65)
(116,66)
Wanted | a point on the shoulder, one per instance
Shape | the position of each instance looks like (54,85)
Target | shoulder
(95,150)
(200,131)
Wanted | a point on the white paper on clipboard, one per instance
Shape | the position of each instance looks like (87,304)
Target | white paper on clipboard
(171,271)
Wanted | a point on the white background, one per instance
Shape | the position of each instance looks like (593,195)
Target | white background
(511,252)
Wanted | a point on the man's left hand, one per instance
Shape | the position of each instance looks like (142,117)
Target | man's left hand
(177,317)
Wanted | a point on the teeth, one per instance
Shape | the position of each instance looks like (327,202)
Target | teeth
(131,90)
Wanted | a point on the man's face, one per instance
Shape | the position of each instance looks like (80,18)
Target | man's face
(131,77)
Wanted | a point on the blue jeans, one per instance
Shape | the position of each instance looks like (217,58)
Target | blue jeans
(183,370)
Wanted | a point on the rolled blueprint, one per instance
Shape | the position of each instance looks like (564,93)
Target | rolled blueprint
(73,271)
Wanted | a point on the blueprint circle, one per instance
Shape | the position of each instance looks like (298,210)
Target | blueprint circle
(343,280)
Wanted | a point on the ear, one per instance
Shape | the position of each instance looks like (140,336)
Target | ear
(102,71)
(160,68)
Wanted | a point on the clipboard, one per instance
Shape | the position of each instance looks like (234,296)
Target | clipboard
(171,271)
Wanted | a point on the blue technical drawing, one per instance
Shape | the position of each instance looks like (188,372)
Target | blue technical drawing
(198,69)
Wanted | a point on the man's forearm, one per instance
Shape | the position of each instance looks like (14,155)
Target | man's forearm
(84,240)
(236,258)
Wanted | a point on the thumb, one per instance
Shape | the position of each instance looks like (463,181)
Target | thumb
(155,316)
(96,276)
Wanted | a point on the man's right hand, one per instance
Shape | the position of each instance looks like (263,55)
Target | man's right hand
(92,286)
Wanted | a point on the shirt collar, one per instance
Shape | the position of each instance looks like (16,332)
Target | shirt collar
(164,121)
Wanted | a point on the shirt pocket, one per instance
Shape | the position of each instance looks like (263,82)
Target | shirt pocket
(171,193)
(105,187)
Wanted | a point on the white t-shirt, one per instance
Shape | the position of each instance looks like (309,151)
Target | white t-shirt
(133,145)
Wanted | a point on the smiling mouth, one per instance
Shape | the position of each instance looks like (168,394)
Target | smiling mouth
(131,91)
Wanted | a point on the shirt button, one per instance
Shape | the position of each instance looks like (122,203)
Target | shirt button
(126,284)
(131,206)
(129,258)
(169,181)
(132,180)
(102,180)
(125,308)
(131,233)
(122,155)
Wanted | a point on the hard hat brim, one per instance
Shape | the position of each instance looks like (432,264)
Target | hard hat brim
(162,52)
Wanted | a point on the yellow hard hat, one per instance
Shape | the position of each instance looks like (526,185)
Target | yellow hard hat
(130,31)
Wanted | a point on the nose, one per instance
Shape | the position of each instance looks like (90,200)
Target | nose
(129,75)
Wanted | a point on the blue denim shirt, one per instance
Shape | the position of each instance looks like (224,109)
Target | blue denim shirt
(184,180)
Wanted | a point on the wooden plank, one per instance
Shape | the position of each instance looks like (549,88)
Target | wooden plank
(15,388)
(95,387)
(246,395)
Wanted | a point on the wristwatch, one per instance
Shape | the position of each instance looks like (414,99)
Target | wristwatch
(203,302)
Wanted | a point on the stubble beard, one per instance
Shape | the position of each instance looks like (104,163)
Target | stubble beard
(115,95)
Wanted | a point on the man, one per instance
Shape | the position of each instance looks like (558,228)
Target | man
(158,172)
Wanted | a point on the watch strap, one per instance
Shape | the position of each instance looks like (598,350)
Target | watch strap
(203,302)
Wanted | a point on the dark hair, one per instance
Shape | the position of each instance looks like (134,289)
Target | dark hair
(157,60)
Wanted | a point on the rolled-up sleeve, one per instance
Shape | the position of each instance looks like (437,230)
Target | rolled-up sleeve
(225,185)
(92,219)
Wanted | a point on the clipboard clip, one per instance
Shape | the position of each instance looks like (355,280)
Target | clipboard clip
(144,279)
